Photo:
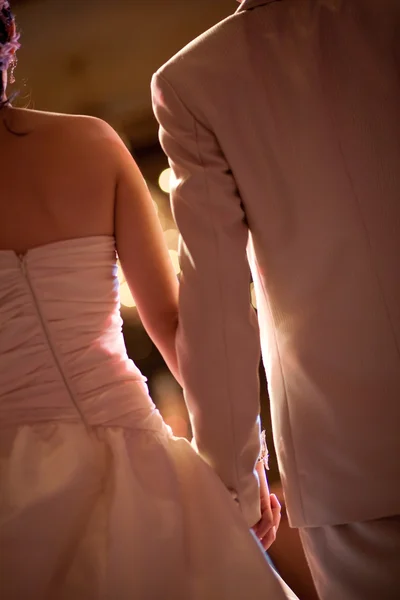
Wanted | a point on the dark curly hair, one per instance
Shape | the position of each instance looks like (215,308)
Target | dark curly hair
(9,45)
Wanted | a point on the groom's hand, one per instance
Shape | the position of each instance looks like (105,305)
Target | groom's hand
(266,528)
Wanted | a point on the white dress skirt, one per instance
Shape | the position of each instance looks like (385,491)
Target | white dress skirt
(98,500)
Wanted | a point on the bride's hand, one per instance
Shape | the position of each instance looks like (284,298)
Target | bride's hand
(266,528)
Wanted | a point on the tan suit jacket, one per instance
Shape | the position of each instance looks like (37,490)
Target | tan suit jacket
(284,121)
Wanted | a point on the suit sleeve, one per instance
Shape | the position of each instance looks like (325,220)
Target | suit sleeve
(218,339)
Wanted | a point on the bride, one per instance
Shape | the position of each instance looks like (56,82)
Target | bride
(98,499)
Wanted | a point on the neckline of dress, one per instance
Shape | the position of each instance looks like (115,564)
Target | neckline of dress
(57,243)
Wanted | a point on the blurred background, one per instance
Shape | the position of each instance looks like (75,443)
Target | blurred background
(97,57)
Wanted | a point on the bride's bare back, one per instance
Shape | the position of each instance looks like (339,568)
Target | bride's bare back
(60,179)
(71,177)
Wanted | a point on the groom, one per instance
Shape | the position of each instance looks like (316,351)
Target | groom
(282,126)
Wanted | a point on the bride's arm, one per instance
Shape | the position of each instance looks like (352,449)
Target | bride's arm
(144,257)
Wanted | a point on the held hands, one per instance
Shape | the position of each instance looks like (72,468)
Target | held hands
(266,528)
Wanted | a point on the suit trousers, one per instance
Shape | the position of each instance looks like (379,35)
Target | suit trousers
(355,561)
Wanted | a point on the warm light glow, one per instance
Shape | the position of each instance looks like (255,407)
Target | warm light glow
(121,276)
(164,181)
(175,261)
(172,238)
(126,296)
(253,295)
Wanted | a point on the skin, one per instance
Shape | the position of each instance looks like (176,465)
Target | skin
(267,526)
(71,176)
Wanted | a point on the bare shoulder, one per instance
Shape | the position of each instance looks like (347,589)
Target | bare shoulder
(82,128)
(88,128)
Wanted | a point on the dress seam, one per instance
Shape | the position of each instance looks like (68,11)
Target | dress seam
(47,335)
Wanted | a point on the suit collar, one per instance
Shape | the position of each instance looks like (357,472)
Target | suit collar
(247,4)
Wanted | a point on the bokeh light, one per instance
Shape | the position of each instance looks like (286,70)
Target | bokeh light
(172,239)
(164,181)
(125,295)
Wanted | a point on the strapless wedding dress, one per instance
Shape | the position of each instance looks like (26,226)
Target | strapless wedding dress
(98,500)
